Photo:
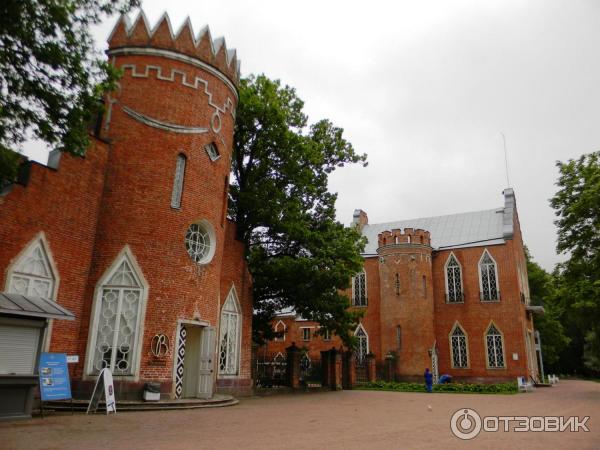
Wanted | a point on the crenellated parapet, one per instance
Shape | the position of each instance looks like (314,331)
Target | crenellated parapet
(404,237)
(126,37)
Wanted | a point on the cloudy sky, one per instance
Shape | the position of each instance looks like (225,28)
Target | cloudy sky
(426,88)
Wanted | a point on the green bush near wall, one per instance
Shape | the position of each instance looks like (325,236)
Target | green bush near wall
(499,388)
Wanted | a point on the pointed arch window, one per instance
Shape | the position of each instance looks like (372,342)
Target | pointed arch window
(229,342)
(178,181)
(280,328)
(488,278)
(494,348)
(359,289)
(459,348)
(33,274)
(454,291)
(117,319)
(362,344)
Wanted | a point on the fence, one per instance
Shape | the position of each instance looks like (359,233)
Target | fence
(270,369)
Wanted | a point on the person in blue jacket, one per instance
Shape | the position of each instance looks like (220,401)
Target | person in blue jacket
(428,380)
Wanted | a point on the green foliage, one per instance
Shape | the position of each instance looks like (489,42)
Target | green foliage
(50,75)
(300,257)
(459,388)
(543,291)
(577,205)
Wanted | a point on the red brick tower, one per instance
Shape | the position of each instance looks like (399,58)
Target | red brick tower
(170,126)
(407,320)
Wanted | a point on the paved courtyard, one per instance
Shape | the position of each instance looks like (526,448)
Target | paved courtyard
(324,420)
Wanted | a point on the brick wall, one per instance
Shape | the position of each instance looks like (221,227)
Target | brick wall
(64,204)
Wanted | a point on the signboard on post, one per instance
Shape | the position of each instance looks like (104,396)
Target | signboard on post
(54,377)
(103,383)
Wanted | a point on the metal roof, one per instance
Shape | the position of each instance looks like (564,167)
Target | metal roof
(21,305)
(470,229)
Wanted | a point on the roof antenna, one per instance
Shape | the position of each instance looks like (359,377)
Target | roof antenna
(505,160)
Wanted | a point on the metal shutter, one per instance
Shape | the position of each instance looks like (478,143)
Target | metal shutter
(18,348)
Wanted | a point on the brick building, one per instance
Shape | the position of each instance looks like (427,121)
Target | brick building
(133,238)
(450,293)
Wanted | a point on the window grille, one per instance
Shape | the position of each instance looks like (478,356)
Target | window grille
(212,151)
(495,350)
(362,344)
(178,182)
(197,242)
(489,286)
(230,332)
(398,338)
(397,285)
(453,281)
(458,342)
(359,289)
(117,325)
(33,274)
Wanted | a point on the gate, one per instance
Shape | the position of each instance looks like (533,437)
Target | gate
(270,369)
(360,367)
(310,370)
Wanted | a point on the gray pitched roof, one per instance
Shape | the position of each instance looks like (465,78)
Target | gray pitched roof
(471,229)
(20,305)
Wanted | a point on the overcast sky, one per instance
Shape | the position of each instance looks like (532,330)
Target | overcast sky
(426,88)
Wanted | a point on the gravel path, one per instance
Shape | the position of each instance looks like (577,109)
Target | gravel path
(324,420)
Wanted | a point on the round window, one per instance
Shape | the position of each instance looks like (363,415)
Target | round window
(200,242)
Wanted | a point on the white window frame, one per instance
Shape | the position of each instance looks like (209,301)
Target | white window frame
(178,181)
(462,293)
(451,342)
(304,330)
(360,274)
(212,151)
(124,254)
(487,356)
(233,295)
(207,227)
(356,331)
(326,334)
(277,329)
(41,241)
(479,267)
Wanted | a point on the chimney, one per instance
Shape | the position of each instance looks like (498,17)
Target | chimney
(360,219)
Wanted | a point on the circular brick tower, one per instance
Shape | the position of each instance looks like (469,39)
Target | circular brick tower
(407,326)
(170,128)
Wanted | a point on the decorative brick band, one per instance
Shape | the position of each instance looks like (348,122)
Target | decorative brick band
(197,83)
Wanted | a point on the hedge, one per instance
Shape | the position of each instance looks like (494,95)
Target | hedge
(499,388)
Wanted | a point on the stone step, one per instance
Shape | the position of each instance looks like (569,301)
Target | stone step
(132,405)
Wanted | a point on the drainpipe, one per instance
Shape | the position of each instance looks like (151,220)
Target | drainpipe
(538,348)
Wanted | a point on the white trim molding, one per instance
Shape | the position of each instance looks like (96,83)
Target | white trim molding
(125,255)
(496,279)
(232,297)
(461,297)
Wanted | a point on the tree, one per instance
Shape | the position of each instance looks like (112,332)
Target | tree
(50,75)
(300,257)
(577,205)
(543,291)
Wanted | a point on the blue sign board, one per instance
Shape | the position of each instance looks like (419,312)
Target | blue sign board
(54,377)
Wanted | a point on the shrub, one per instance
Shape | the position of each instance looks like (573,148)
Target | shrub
(499,388)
